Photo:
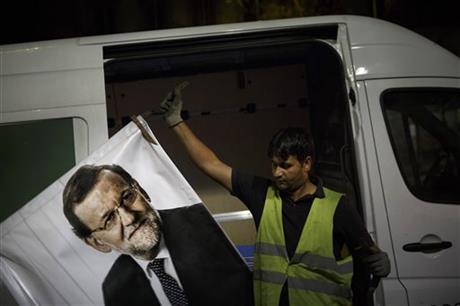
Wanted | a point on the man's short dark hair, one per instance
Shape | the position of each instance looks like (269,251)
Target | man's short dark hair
(291,141)
(78,187)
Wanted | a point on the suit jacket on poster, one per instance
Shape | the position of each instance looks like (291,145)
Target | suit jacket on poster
(209,268)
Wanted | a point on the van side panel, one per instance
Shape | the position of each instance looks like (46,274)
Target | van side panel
(56,79)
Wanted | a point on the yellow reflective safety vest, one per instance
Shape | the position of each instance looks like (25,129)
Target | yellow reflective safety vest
(313,275)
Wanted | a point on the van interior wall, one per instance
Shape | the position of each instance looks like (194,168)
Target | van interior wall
(238,137)
(218,107)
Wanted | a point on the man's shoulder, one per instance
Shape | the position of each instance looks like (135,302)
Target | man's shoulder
(197,209)
(122,262)
(251,190)
(127,284)
(255,182)
(124,265)
(124,258)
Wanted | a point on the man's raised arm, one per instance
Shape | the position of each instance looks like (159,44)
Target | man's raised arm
(200,154)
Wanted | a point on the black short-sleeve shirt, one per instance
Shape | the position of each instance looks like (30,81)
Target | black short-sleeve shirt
(348,228)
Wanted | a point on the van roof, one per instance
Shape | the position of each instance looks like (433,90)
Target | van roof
(379,49)
(383,50)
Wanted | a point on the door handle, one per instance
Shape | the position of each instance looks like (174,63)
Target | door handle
(427,247)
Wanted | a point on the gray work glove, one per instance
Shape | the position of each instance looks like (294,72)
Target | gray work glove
(378,264)
(172,105)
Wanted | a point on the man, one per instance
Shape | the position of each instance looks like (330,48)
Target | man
(306,233)
(109,210)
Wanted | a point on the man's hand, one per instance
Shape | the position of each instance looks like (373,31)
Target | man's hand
(172,105)
(378,264)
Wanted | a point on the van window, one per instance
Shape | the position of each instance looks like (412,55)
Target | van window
(424,127)
(32,156)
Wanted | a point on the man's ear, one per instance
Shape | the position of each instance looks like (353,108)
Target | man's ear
(308,163)
(97,244)
(143,192)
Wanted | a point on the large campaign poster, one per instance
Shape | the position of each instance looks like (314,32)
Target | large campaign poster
(43,262)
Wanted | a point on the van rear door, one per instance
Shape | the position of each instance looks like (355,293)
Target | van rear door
(416,128)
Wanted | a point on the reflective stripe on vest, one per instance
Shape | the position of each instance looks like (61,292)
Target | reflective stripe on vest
(308,259)
(313,275)
(302,284)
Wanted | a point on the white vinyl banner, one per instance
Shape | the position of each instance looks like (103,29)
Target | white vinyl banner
(44,263)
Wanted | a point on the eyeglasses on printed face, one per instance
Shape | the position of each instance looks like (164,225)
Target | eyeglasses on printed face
(109,219)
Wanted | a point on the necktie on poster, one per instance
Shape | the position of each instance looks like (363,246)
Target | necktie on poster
(170,286)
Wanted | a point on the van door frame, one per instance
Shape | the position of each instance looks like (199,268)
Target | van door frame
(391,291)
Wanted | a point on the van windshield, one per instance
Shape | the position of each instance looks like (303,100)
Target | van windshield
(424,127)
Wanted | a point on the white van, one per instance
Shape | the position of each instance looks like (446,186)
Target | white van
(383,104)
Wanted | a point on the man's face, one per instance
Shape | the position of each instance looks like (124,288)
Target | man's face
(120,218)
(290,174)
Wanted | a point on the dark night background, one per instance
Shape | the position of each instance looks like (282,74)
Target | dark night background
(34,20)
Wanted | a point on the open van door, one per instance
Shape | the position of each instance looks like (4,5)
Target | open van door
(416,128)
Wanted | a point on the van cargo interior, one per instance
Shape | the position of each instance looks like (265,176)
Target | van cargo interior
(238,95)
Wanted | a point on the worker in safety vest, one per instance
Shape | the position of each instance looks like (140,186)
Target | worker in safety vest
(307,235)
